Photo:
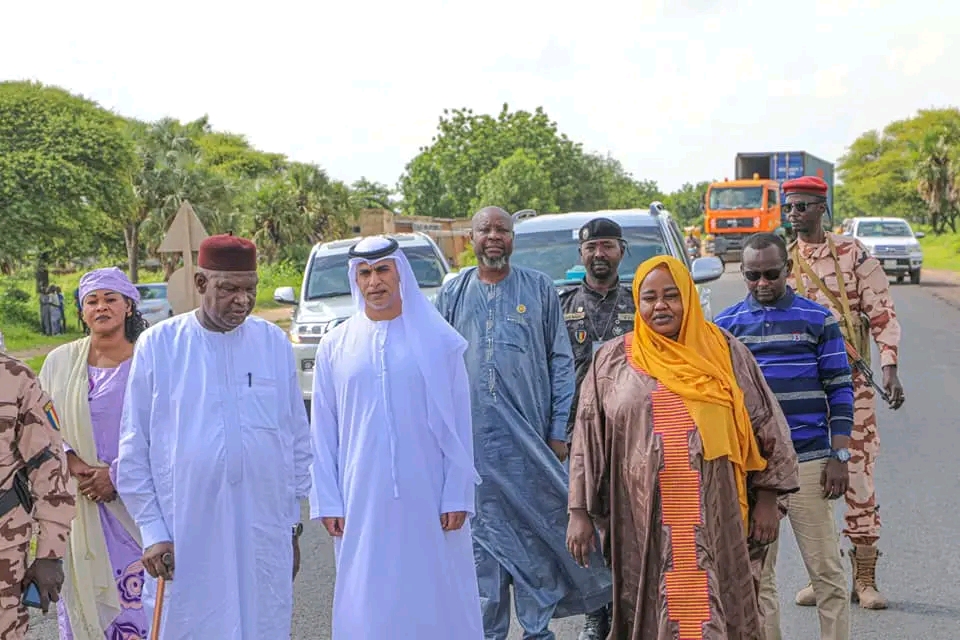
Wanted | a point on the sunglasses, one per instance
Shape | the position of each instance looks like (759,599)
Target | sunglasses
(769,274)
(799,207)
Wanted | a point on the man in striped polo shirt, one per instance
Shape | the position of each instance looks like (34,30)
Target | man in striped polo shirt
(800,350)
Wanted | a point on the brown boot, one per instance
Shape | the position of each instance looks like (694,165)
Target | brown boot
(863,559)
(806,597)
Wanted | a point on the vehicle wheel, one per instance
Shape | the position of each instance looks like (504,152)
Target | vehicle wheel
(900,277)
(915,277)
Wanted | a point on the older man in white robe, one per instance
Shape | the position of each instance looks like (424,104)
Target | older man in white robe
(393,446)
(215,458)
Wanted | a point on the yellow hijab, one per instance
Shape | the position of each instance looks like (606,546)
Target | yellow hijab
(697,367)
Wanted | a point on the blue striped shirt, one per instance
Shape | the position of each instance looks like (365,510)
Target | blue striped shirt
(800,350)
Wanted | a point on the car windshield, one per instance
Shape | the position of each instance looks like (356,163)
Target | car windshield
(148,292)
(328,274)
(725,198)
(557,252)
(883,229)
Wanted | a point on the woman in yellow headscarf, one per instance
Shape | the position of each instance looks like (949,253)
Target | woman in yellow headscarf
(679,453)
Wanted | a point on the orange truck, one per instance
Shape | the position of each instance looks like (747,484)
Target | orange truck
(750,203)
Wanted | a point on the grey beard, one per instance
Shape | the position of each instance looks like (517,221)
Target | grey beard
(498,264)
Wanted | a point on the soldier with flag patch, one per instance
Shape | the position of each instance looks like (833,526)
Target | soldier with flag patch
(35,497)
(598,309)
(839,273)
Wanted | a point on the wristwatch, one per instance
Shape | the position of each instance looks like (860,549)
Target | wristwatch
(843,455)
(297,529)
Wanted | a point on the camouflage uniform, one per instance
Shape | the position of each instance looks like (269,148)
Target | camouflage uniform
(868,297)
(28,426)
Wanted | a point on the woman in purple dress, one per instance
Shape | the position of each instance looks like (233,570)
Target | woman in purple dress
(87,380)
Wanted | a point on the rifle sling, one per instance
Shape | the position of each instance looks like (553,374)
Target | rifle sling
(19,493)
(843,304)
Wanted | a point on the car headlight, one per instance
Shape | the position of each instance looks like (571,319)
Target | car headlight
(914,246)
(311,331)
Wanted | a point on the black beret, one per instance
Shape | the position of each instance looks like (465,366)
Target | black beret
(600,228)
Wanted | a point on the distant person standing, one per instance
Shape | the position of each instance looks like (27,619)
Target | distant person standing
(839,273)
(799,348)
(522,381)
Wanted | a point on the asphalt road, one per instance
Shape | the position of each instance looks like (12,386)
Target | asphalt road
(918,485)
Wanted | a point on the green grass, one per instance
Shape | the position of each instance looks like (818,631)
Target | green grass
(20,337)
(277,275)
(941,252)
(21,326)
(36,363)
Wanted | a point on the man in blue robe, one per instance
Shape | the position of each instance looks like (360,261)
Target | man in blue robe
(521,371)
(394,474)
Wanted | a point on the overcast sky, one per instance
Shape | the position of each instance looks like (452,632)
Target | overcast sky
(672,89)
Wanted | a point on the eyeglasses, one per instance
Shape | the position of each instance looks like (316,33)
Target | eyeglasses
(800,207)
(769,274)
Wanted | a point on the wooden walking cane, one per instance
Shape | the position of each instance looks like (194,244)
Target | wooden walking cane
(167,560)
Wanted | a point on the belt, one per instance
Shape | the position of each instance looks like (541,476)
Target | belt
(19,493)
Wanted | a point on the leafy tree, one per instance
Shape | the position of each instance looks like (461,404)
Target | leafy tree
(374,194)
(298,207)
(518,158)
(685,202)
(517,182)
(905,170)
(65,170)
(231,155)
(442,179)
(843,206)
(171,171)
(937,172)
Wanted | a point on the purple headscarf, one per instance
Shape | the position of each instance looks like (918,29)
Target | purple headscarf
(109,279)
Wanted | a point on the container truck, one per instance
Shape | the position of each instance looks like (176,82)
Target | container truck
(734,209)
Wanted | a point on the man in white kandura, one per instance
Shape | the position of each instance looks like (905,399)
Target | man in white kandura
(215,457)
(394,479)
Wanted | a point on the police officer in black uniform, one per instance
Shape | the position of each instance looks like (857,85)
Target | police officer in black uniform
(596,310)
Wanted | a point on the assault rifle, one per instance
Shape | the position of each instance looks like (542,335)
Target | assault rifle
(860,365)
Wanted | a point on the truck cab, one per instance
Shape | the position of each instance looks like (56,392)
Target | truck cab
(735,209)
(751,202)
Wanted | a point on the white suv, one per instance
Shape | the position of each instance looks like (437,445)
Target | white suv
(893,243)
(324,300)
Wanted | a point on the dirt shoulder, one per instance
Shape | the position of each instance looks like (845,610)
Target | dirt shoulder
(279,315)
(944,285)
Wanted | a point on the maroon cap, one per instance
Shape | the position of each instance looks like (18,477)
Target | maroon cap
(227,253)
(810,185)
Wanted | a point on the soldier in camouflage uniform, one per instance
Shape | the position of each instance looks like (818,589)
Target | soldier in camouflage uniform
(596,310)
(33,470)
(860,299)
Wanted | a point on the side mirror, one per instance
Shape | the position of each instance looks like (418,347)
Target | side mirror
(451,275)
(919,234)
(285,295)
(706,269)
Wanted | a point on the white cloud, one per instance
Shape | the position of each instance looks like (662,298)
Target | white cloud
(924,52)
(673,89)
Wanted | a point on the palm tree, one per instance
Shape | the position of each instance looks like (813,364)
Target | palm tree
(938,177)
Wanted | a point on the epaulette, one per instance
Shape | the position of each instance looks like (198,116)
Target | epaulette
(567,290)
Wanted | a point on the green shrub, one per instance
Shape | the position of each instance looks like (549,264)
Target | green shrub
(15,306)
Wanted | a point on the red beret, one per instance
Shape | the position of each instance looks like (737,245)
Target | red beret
(811,185)
(227,253)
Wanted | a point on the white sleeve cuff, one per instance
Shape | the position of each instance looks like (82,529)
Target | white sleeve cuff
(154,533)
